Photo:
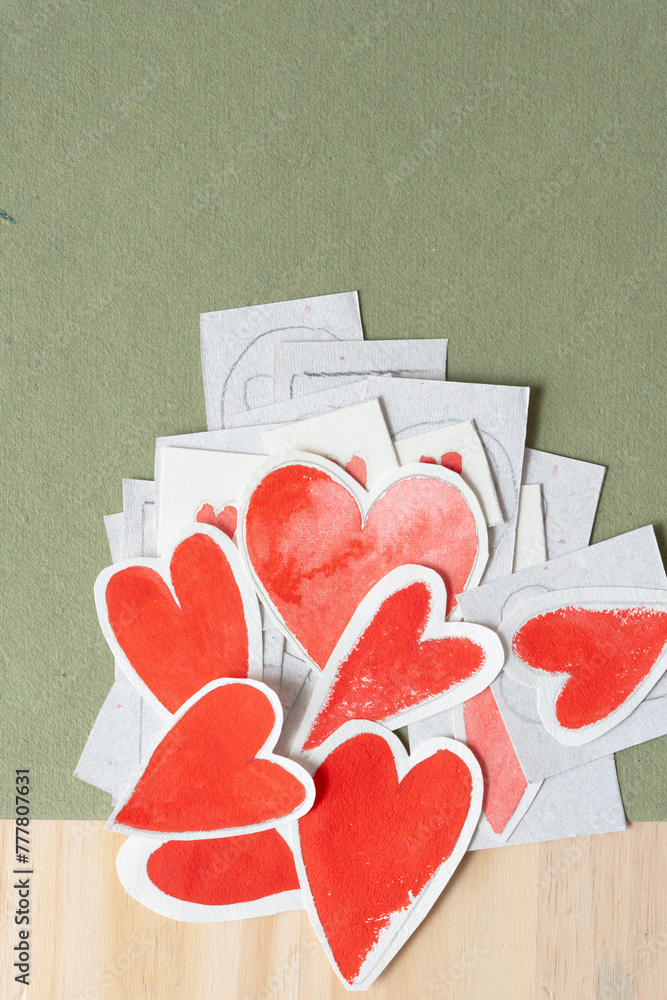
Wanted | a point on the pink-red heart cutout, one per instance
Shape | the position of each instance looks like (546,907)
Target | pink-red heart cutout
(316,559)
(390,668)
(606,653)
(225,520)
(205,776)
(178,650)
(370,844)
(224,871)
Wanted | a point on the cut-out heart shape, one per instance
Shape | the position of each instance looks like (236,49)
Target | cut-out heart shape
(592,654)
(507,794)
(212,774)
(356,468)
(229,878)
(399,661)
(179,622)
(315,543)
(225,520)
(381,842)
(450,460)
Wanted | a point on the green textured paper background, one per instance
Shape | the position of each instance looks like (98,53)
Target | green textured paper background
(491,172)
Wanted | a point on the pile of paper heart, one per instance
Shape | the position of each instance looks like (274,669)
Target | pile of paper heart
(373,548)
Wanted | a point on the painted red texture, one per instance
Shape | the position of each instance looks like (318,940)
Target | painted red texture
(452,460)
(607,654)
(356,468)
(204,775)
(219,872)
(225,520)
(178,650)
(306,542)
(487,737)
(390,669)
(370,844)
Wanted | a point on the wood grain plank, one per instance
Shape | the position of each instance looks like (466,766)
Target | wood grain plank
(584,918)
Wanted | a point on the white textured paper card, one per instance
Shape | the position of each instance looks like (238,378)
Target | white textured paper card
(630,560)
(570,495)
(301,368)
(500,413)
(203,486)
(139,518)
(355,437)
(458,447)
(237,347)
(530,546)
(576,803)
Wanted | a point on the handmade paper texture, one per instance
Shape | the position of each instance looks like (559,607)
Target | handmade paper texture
(500,413)
(575,803)
(237,347)
(203,486)
(530,545)
(592,654)
(457,446)
(300,368)
(355,437)
(314,578)
(631,560)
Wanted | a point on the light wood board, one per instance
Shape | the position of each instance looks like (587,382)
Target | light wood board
(582,919)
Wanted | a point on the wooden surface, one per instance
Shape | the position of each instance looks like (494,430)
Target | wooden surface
(582,919)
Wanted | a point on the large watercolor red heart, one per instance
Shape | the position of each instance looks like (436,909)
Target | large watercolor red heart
(391,668)
(224,871)
(315,556)
(372,844)
(605,653)
(211,774)
(177,648)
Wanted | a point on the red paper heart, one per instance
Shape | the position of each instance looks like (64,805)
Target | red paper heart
(390,669)
(370,844)
(504,780)
(316,560)
(205,776)
(224,871)
(225,520)
(450,460)
(607,654)
(177,650)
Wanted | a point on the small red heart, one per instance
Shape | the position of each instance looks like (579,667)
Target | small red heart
(356,468)
(504,780)
(606,653)
(450,460)
(176,650)
(205,775)
(371,843)
(316,558)
(225,520)
(224,871)
(453,461)
(390,668)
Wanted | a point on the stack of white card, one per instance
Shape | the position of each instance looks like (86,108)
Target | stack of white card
(299,377)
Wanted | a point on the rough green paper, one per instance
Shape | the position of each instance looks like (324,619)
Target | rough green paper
(489,172)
